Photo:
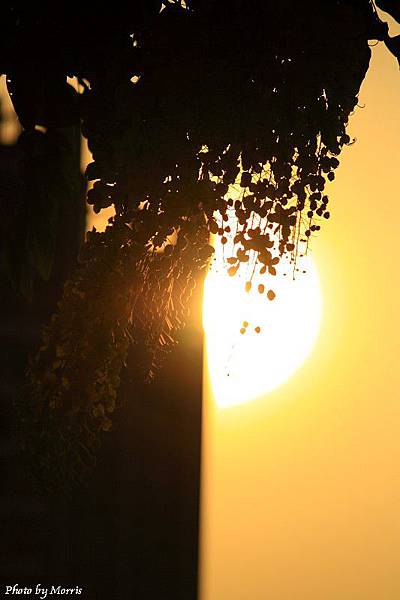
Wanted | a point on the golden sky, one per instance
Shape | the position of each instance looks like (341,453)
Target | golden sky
(301,488)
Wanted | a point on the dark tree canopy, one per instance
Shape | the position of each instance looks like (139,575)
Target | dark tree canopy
(196,113)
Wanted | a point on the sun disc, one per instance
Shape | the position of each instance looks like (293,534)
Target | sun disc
(253,345)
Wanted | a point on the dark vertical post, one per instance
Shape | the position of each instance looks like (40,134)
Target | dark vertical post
(161,462)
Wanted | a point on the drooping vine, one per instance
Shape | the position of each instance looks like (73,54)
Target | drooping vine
(223,118)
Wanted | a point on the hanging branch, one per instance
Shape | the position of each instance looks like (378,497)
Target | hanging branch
(197,114)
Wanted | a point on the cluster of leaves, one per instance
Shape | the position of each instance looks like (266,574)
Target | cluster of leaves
(264,109)
(120,295)
(198,114)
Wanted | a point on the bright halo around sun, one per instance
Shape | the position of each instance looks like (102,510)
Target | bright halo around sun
(254,344)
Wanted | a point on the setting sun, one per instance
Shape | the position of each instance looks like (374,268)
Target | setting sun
(253,343)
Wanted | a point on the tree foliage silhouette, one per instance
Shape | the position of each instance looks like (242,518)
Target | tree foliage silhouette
(199,114)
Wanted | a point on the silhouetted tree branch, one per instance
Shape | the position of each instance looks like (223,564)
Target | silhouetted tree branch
(198,115)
